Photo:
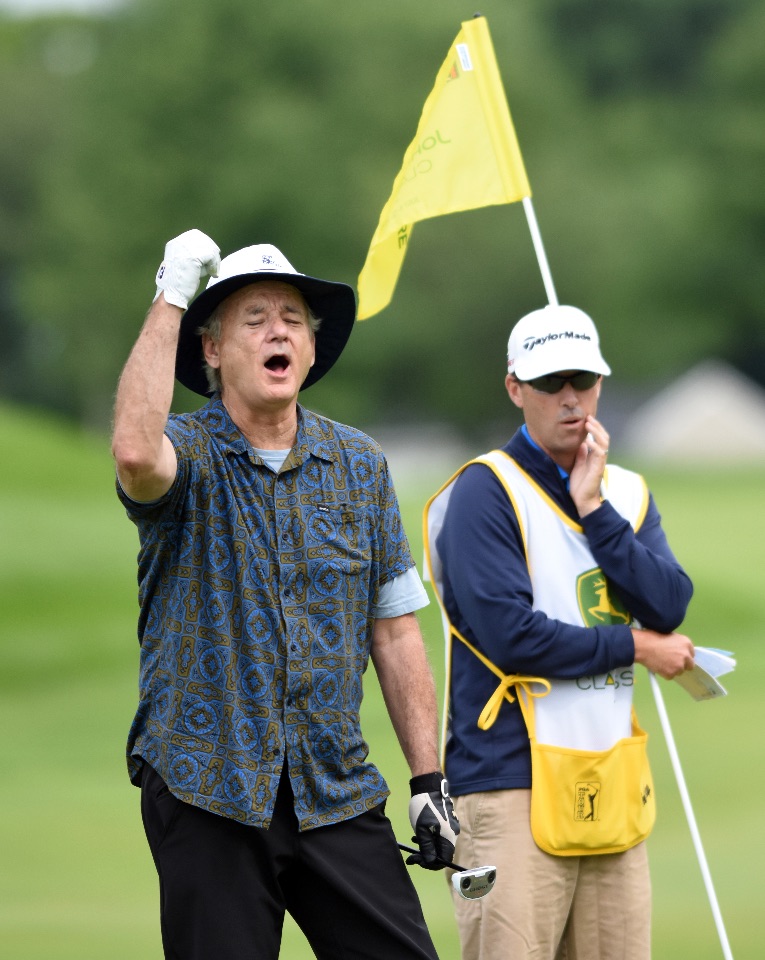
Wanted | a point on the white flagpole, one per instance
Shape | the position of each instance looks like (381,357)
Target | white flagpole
(536,238)
(689,815)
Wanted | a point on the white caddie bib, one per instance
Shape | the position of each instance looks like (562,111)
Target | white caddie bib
(591,712)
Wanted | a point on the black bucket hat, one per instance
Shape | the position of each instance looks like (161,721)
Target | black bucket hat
(334,303)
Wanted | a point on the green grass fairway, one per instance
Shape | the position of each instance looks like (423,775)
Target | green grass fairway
(76,878)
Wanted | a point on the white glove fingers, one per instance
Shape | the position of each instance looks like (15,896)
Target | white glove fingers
(188,258)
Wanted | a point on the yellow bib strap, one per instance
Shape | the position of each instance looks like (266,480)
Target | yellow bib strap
(490,712)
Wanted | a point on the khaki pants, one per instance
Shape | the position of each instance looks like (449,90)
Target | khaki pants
(544,907)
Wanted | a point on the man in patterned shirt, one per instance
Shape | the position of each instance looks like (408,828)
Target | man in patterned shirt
(272,565)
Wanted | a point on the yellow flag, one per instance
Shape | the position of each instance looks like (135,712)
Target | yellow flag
(464,155)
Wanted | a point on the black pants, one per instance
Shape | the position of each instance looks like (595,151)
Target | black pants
(224,887)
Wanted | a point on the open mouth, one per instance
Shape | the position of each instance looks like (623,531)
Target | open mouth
(278,364)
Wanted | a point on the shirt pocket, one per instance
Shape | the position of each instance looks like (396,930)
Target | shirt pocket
(339,537)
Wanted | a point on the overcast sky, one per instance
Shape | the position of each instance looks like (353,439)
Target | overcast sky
(45,6)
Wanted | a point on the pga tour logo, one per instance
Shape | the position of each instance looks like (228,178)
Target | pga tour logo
(586,801)
(530,342)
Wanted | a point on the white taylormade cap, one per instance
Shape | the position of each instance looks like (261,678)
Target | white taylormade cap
(552,339)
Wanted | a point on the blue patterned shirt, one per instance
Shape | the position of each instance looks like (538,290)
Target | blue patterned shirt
(257,592)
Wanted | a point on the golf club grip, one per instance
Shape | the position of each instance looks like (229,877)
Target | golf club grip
(447,863)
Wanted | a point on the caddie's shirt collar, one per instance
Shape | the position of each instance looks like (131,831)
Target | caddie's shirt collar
(564,476)
(543,469)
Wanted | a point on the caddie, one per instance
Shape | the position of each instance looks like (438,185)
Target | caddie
(273,565)
(556,578)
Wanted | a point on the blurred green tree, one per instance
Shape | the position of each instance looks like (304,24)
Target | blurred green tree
(639,124)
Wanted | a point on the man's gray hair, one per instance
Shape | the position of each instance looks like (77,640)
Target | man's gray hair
(212,329)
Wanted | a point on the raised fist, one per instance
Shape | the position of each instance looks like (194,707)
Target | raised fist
(188,259)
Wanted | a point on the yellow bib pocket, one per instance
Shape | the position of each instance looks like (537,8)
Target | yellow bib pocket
(591,802)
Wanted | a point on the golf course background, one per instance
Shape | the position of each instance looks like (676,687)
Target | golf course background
(76,877)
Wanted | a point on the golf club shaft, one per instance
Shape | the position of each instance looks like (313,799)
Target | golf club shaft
(447,863)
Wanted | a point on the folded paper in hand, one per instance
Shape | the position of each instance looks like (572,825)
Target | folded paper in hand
(701,682)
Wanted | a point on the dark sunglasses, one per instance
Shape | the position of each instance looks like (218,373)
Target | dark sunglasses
(554,382)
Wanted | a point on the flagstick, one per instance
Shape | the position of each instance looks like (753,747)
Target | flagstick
(689,814)
(536,238)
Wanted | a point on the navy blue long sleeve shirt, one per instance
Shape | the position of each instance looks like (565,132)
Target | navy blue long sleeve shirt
(488,596)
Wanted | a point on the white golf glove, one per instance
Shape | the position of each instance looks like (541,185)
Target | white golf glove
(433,820)
(188,258)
